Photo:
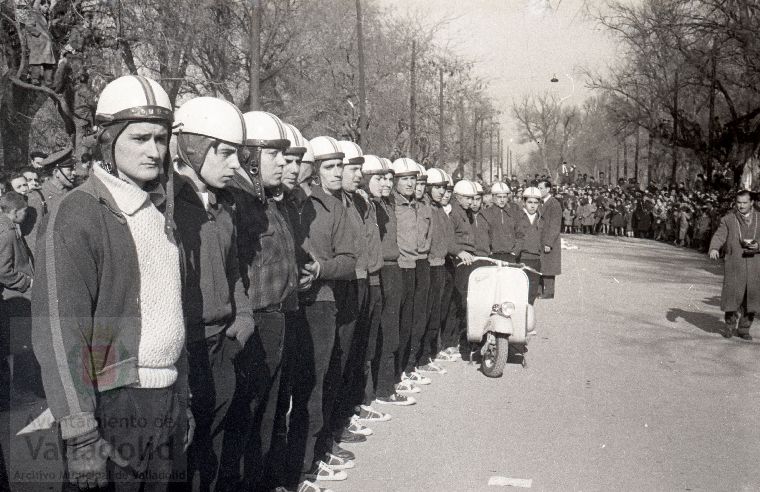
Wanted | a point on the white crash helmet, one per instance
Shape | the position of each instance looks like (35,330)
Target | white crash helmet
(388,163)
(405,167)
(465,187)
(297,142)
(422,176)
(308,156)
(436,177)
(450,186)
(265,131)
(211,117)
(374,165)
(133,98)
(202,122)
(532,192)
(479,188)
(500,188)
(325,149)
(352,153)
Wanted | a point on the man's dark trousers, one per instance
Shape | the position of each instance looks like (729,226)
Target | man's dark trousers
(212,384)
(421,315)
(406,321)
(391,286)
(313,339)
(429,347)
(250,423)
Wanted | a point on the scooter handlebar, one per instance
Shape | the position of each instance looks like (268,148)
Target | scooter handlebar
(501,263)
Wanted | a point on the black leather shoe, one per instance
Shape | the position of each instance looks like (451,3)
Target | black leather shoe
(745,336)
(342,453)
(350,437)
(727,331)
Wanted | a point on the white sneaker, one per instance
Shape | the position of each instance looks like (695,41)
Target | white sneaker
(416,378)
(326,474)
(444,357)
(368,414)
(356,428)
(307,486)
(431,367)
(337,463)
(396,399)
(407,387)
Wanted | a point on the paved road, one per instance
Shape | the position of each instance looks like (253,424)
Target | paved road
(628,388)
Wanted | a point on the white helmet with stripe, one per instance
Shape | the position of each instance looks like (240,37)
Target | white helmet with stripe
(308,156)
(436,177)
(265,130)
(297,142)
(352,152)
(479,188)
(465,187)
(133,98)
(211,117)
(325,149)
(422,176)
(500,188)
(374,165)
(405,166)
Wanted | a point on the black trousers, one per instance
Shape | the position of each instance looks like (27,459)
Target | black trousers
(353,332)
(449,335)
(534,279)
(406,322)
(547,286)
(374,349)
(429,348)
(147,427)
(212,382)
(745,319)
(251,417)
(412,346)
(312,337)
(391,287)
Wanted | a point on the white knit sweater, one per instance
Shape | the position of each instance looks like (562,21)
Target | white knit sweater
(162,333)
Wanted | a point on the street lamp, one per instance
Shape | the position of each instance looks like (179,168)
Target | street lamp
(555,80)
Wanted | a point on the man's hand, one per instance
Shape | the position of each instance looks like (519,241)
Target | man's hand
(714,254)
(86,458)
(547,249)
(466,257)
(241,329)
(190,434)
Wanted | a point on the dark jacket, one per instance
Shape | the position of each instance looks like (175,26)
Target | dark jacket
(551,213)
(86,306)
(502,227)
(374,246)
(529,243)
(464,233)
(16,266)
(36,210)
(441,236)
(357,212)
(742,273)
(386,225)
(208,241)
(321,233)
(482,234)
(267,253)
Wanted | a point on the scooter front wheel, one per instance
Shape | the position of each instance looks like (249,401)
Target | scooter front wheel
(495,355)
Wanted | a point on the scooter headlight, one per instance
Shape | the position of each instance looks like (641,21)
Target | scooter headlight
(507,308)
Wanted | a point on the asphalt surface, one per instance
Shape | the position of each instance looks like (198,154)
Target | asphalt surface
(628,387)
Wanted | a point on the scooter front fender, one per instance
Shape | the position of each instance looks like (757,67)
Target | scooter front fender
(501,324)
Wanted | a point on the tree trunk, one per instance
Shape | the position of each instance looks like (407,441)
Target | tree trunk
(674,169)
(650,164)
(17,109)
(625,158)
(413,103)
(362,83)
(636,157)
(441,125)
(254,85)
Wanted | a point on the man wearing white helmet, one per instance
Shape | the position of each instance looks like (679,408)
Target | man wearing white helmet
(266,249)
(529,236)
(209,133)
(464,240)
(502,222)
(325,253)
(480,225)
(108,289)
(294,154)
(408,235)
(382,337)
(441,245)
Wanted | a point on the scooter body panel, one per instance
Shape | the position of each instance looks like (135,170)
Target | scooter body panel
(489,285)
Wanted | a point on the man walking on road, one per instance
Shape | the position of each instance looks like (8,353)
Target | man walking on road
(738,233)
(551,262)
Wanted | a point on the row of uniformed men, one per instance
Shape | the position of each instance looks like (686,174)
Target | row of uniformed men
(306,281)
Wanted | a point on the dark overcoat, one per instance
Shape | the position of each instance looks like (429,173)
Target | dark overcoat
(551,212)
(741,272)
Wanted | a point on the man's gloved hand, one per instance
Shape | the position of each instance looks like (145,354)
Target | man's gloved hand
(714,254)
(241,329)
(467,258)
(190,434)
(86,458)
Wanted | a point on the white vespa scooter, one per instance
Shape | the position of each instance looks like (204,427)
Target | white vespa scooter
(498,313)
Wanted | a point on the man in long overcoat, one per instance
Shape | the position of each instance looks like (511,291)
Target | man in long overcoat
(551,262)
(738,233)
